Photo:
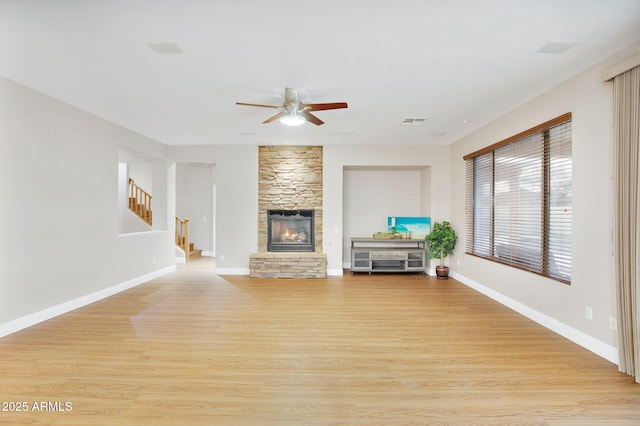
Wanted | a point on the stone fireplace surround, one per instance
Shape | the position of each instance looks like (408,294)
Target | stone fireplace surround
(289,178)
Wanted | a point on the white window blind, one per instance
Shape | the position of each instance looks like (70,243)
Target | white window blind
(483,208)
(519,196)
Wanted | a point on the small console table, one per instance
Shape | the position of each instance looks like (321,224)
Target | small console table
(388,255)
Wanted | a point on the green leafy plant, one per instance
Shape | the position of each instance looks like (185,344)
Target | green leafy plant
(441,241)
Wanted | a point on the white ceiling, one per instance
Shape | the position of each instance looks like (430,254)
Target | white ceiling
(450,61)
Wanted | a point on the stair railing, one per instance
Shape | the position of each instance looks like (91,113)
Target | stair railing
(182,236)
(140,202)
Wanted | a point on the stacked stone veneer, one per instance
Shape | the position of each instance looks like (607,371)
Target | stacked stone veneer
(288,265)
(289,178)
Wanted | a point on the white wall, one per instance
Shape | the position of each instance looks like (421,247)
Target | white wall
(237,193)
(142,174)
(589,99)
(59,213)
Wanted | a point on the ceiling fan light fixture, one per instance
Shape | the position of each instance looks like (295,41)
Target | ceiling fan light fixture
(292,120)
(293,112)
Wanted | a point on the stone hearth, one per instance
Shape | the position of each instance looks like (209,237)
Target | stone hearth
(288,265)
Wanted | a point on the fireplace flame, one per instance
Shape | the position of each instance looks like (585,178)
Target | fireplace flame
(292,235)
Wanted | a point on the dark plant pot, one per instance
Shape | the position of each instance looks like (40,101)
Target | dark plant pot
(442,272)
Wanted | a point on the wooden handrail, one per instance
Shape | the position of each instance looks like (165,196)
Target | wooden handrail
(182,236)
(140,202)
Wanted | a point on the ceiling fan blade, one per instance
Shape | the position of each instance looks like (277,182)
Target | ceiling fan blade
(275,117)
(321,107)
(257,105)
(311,118)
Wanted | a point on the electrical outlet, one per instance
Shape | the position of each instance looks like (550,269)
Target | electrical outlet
(588,312)
(153,260)
(613,323)
(222,258)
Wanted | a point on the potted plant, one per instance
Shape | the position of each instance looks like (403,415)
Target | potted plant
(441,242)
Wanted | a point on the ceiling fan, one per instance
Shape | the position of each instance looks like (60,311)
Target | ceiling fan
(293,112)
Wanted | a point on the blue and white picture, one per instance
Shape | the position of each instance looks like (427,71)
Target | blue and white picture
(418,227)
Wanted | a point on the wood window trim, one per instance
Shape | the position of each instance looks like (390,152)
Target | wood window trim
(521,135)
(547,268)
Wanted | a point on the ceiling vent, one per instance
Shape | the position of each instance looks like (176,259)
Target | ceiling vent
(165,48)
(413,121)
(555,47)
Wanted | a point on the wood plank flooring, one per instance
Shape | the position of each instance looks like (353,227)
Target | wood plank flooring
(192,348)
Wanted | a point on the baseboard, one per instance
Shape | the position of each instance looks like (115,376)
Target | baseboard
(592,344)
(232,271)
(184,259)
(54,311)
(246,271)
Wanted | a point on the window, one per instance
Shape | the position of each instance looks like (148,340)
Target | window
(518,200)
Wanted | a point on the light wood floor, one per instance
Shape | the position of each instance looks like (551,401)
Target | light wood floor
(192,348)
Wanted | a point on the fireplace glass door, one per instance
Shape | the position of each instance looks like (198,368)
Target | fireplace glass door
(290,230)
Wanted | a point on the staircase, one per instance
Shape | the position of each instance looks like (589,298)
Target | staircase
(140,202)
(182,239)
(193,253)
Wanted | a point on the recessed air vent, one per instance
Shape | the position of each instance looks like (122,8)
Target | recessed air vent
(165,48)
(419,121)
(555,47)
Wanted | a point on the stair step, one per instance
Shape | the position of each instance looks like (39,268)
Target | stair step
(193,252)
(141,211)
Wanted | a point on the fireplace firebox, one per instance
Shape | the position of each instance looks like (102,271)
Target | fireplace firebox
(290,230)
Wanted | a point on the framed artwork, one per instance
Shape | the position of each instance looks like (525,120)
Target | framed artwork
(418,227)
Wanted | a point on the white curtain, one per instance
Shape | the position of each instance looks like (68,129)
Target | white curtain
(626,94)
